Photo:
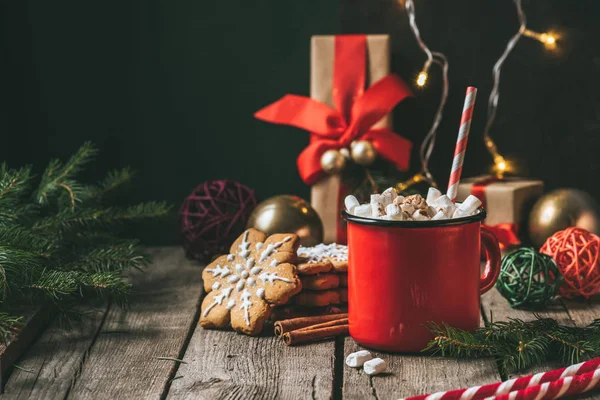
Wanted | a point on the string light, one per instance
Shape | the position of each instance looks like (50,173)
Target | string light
(428,143)
(501,165)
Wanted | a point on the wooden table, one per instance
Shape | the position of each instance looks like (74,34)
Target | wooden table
(117,353)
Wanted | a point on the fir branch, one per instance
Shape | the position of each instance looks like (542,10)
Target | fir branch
(20,238)
(107,285)
(14,185)
(67,220)
(114,180)
(517,345)
(9,326)
(109,259)
(59,177)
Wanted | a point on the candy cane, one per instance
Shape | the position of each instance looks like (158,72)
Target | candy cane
(513,385)
(461,142)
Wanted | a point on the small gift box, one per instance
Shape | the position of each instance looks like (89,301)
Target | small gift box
(505,200)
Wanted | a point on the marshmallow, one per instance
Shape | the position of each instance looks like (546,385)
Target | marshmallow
(392,210)
(377,210)
(419,216)
(458,213)
(432,195)
(470,205)
(443,203)
(350,202)
(389,195)
(375,366)
(431,211)
(399,200)
(356,360)
(362,210)
(439,215)
(408,208)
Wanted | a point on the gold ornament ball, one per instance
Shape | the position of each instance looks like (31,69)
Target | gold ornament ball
(363,152)
(561,209)
(333,162)
(288,214)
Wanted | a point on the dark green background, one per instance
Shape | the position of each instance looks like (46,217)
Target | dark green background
(169,87)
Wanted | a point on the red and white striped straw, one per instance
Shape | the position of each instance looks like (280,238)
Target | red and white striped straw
(520,385)
(461,142)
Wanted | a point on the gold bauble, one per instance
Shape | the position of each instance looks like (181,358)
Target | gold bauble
(363,152)
(333,162)
(561,209)
(288,214)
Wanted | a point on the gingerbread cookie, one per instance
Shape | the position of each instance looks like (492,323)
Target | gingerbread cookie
(343,292)
(343,280)
(242,286)
(322,258)
(320,281)
(317,299)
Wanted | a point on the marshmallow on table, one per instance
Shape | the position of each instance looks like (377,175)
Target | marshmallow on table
(392,210)
(377,205)
(375,366)
(350,202)
(432,195)
(356,360)
(408,208)
(399,200)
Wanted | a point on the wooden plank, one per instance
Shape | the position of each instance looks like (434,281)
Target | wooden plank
(223,364)
(582,311)
(51,365)
(412,375)
(123,361)
(35,320)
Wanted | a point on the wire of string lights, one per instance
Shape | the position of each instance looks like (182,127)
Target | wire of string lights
(501,165)
(428,143)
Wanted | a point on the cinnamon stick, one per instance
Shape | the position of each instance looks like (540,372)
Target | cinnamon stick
(309,335)
(287,325)
(335,322)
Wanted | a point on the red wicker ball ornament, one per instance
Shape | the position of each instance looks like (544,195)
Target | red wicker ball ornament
(576,252)
(213,216)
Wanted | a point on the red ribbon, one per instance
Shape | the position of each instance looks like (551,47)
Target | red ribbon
(506,233)
(353,116)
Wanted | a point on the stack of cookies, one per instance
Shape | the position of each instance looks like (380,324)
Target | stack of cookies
(323,270)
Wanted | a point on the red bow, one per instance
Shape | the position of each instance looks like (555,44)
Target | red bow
(355,112)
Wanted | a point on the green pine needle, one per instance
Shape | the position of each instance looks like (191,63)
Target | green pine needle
(56,245)
(518,345)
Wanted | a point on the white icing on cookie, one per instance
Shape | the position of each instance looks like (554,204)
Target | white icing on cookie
(216,286)
(239,268)
(230,257)
(246,304)
(260,292)
(245,274)
(230,304)
(233,279)
(322,252)
(251,281)
(222,272)
(255,270)
(240,285)
(271,278)
(218,299)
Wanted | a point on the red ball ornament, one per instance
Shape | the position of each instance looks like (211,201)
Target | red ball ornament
(213,216)
(576,252)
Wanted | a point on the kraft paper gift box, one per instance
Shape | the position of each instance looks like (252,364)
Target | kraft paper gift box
(327,195)
(506,201)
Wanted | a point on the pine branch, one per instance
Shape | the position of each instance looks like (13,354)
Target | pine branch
(20,238)
(115,258)
(14,185)
(68,220)
(9,326)
(58,177)
(114,180)
(517,345)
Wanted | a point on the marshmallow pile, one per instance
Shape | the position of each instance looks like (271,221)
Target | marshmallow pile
(391,206)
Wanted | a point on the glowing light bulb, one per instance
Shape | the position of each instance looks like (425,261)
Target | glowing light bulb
(422,79)
(501,166)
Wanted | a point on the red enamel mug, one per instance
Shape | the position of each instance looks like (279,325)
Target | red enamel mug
(403,275)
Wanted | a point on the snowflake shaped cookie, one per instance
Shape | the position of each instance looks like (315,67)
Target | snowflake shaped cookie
(242,286)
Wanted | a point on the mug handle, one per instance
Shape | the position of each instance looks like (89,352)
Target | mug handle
(492,263)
